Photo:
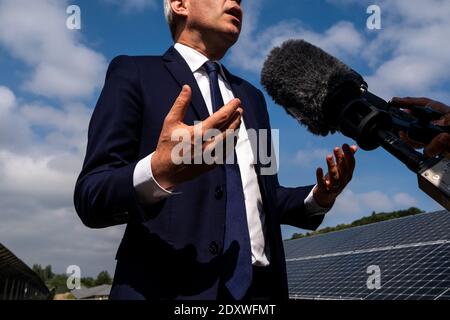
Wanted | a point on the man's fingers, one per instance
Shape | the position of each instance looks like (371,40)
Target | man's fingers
(439,106)
(320,179)
(235,122)
(409,101)
(444,121)
(416,145)
(341,163)
(349,154)
(222,117)
(333,171)
(340,157)
(439,145)
(226,140)
(231,129)
(179,108)
(422,102)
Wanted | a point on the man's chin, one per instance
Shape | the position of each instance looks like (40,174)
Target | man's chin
(232,35)
(228,37)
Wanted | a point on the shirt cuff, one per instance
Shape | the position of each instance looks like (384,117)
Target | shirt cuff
(147,188)
(312,207)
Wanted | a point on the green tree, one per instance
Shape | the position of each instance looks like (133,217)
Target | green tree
(103,278)
(59,283)
(45,274)
(48,272)
(88,282)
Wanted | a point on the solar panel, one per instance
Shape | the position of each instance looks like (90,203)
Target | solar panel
(320,244)
(412,255)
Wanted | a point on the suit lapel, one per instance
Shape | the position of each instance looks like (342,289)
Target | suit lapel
(180,71)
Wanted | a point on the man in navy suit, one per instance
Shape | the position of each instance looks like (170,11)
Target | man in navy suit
(195,230)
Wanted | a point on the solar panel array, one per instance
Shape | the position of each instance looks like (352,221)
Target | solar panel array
(401,259)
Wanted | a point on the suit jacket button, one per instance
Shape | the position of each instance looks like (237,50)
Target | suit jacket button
(214,248)
(219,193)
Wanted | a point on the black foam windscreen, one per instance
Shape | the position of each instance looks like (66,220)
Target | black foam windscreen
(302,78)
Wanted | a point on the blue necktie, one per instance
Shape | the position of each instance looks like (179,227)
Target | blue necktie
(236,227)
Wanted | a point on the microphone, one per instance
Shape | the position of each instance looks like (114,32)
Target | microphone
(300,77)
(327,96)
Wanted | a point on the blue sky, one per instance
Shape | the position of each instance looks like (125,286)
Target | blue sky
(50,79)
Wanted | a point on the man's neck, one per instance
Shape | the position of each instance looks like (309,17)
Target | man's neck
(213,51)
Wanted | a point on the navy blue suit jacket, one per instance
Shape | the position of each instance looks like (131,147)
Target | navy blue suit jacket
(173,249)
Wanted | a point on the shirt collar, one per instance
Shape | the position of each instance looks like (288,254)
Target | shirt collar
(193,58)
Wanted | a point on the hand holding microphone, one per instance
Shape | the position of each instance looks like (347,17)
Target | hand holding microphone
(327,96)
(440,144)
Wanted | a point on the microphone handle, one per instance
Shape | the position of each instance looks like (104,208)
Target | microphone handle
(434,180)
(399,149)
(433,175)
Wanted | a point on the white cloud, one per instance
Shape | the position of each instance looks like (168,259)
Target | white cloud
(38,174)
(42,145)
(341,39)
(66,127)
(15,132)
(39,129)
(38,221)
(61,66)
(33,177)
(352,205)
(38,234)
(311,157)
(7,100)
(405,200)
(410,55)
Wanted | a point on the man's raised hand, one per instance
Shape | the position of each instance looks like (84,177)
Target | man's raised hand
(170,172)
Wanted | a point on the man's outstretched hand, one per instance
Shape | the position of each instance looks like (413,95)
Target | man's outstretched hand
(340,173)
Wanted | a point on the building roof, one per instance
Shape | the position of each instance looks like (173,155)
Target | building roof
(91,293)
(12,268)
(411,255)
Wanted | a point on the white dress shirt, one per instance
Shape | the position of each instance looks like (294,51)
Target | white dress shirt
(149,191)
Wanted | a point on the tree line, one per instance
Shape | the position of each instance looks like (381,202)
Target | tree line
(58,282)
(374,218)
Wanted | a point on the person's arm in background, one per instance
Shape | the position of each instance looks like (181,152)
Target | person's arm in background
(440,144)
